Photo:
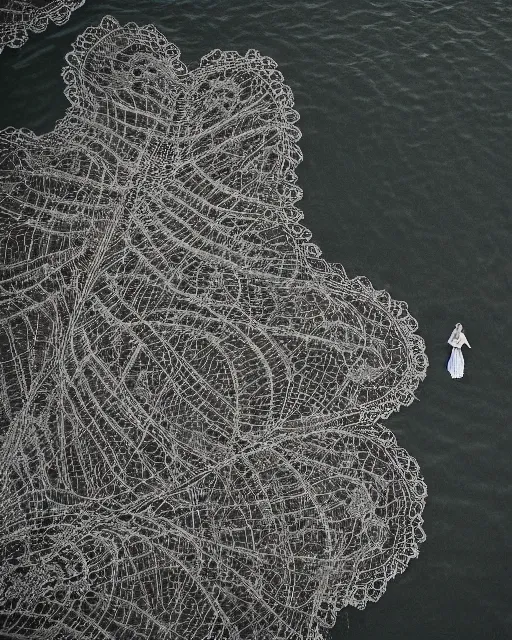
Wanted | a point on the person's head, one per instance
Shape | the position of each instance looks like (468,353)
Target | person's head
(459,327)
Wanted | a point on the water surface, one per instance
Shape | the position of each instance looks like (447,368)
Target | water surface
(406,115)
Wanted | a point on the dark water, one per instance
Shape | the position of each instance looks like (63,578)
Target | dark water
(406,114)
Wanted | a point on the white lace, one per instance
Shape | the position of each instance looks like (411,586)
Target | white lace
(190,395)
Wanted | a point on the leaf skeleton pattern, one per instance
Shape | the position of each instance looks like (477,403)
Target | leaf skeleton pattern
(190,395)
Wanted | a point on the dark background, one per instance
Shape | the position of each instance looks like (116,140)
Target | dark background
(406,115)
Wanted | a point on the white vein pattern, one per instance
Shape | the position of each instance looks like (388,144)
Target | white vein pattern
(19,17)
(190,395)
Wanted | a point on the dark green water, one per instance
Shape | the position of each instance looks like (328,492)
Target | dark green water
(406,115)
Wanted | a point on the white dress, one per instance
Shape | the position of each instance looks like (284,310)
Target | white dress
(455,364)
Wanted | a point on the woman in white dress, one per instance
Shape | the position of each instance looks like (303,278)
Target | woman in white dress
(456,362)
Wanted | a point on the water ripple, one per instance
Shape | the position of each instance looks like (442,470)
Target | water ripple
(407,126)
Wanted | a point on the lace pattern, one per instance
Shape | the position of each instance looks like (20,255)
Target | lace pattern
(19,17)
(190,395)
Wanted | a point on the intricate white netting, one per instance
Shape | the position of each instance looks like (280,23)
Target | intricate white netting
(18,17)
(189,393)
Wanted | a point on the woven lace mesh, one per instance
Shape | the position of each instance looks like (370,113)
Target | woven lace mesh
(190,395)
(18,17)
